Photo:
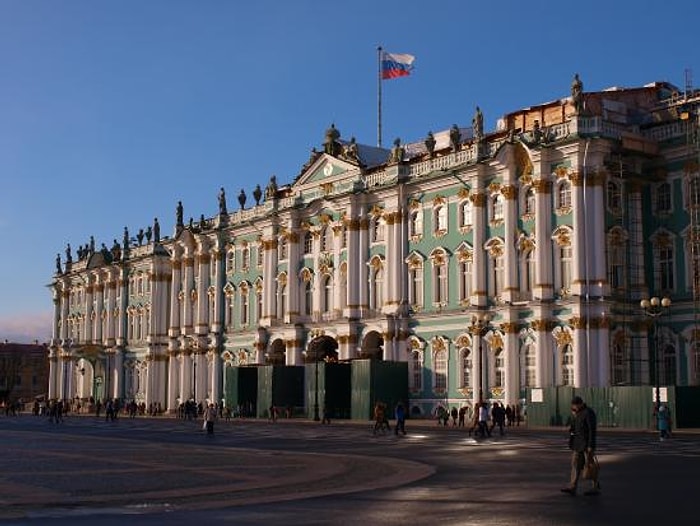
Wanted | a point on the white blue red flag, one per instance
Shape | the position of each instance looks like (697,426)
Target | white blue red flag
(395,65)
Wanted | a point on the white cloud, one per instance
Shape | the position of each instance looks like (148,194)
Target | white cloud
(26,327)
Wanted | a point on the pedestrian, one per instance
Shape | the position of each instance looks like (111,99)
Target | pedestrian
(400,413)
(326,415)
(380,419)
(484,420)
(663,422)
(475,420)
(462,414)
(582,442)
(498,417)
(209,419)
(453,414)
(509,415)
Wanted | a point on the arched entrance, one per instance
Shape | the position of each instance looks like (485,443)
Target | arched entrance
(276,353)
(322,349)
(373,346)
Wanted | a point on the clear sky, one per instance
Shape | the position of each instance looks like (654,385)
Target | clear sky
(112,111)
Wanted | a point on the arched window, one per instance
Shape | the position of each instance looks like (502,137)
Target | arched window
(466,379)
(465,213)
(564,195)
(308,296)
(529,274)
(327,284)
(440,370)
(245,258)
(530,201)
(416,372)
(230,310)
(245,306)
(665,263)
(499,368)
(440,294)
(281,296)
(567,365)
(440,219)
(416,223)
(308,243)
(465,280)
(258,301)
(377,288)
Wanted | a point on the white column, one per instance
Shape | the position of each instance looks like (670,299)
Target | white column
(544,286)
(477,372)
(363,268)
(511,286)
(53,373)
(354,263)
(89,308)
(580,355)
(99,289)
(110,337)
(202,259)
(214,379)
(217,324)
(511,362)
(596,244)
(187,323)
(578,249)
(186,376)
(479,261)
(293,306)
(173,382)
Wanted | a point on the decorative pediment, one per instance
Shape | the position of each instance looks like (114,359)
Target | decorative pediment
(323,170)
(415,259)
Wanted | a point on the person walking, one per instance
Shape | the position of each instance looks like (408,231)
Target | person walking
(582,442)
(209,419)
(663,422)
(400,414)
(498,417)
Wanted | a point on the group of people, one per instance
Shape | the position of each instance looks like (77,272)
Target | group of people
(499,415)
(381,418)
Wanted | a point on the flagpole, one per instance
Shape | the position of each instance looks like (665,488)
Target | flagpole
(379,96)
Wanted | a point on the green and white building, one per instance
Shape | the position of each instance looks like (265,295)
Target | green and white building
(490,262)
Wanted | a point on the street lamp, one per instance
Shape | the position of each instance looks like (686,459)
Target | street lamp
(479,326)
(655,307)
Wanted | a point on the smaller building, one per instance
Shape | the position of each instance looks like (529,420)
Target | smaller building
(24,371)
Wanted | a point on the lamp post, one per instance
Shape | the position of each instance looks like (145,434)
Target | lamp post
(655,307)
(479,326)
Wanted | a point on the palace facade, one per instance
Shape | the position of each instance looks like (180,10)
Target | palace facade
(489,262)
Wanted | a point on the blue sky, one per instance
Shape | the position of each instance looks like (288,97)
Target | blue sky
(111,112)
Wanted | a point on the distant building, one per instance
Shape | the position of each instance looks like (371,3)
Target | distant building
(24,371)
(488,262)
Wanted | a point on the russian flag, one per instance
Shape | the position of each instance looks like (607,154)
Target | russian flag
(395,65)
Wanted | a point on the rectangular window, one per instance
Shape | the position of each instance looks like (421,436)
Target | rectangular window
(666,280)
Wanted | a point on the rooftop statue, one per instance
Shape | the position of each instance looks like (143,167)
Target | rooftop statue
(455,137)
(478,125)
(149,234)
(156,231)
(58,264)
(352,152)
(257,194)
(125,240)
(271,189)
(92,245)
(330,143)
(430,143)
(116,251)
(222,202)
(139,236)
(69,256)
(577,93)
(178,214)
(242,198)
(397,152)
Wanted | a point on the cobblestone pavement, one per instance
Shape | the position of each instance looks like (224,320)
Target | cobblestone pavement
(167,471)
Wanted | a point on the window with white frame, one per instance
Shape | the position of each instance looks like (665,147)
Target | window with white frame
(440,372)
(614,196)
(260,254)
(663,198)
(564,195)
(529,365)
(230,310)
(529,274)
(245,258)
(245,306)
(416,370)
(465,213)
(440,219)
(376,230)
(416,223)
(567,365)
(327,290)
(668,365)
(415,284)
(465,279)
(497,268)
(376,297)
(466,379)
(499,368)
(665,264)
(618,364)
(530,201)
(281,296)
(440,278)
(282,248)
(258,300)
(497,207)
(617,258)
(308,242)
(308,293)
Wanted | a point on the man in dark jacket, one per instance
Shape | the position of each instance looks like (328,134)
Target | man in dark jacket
(582,442)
